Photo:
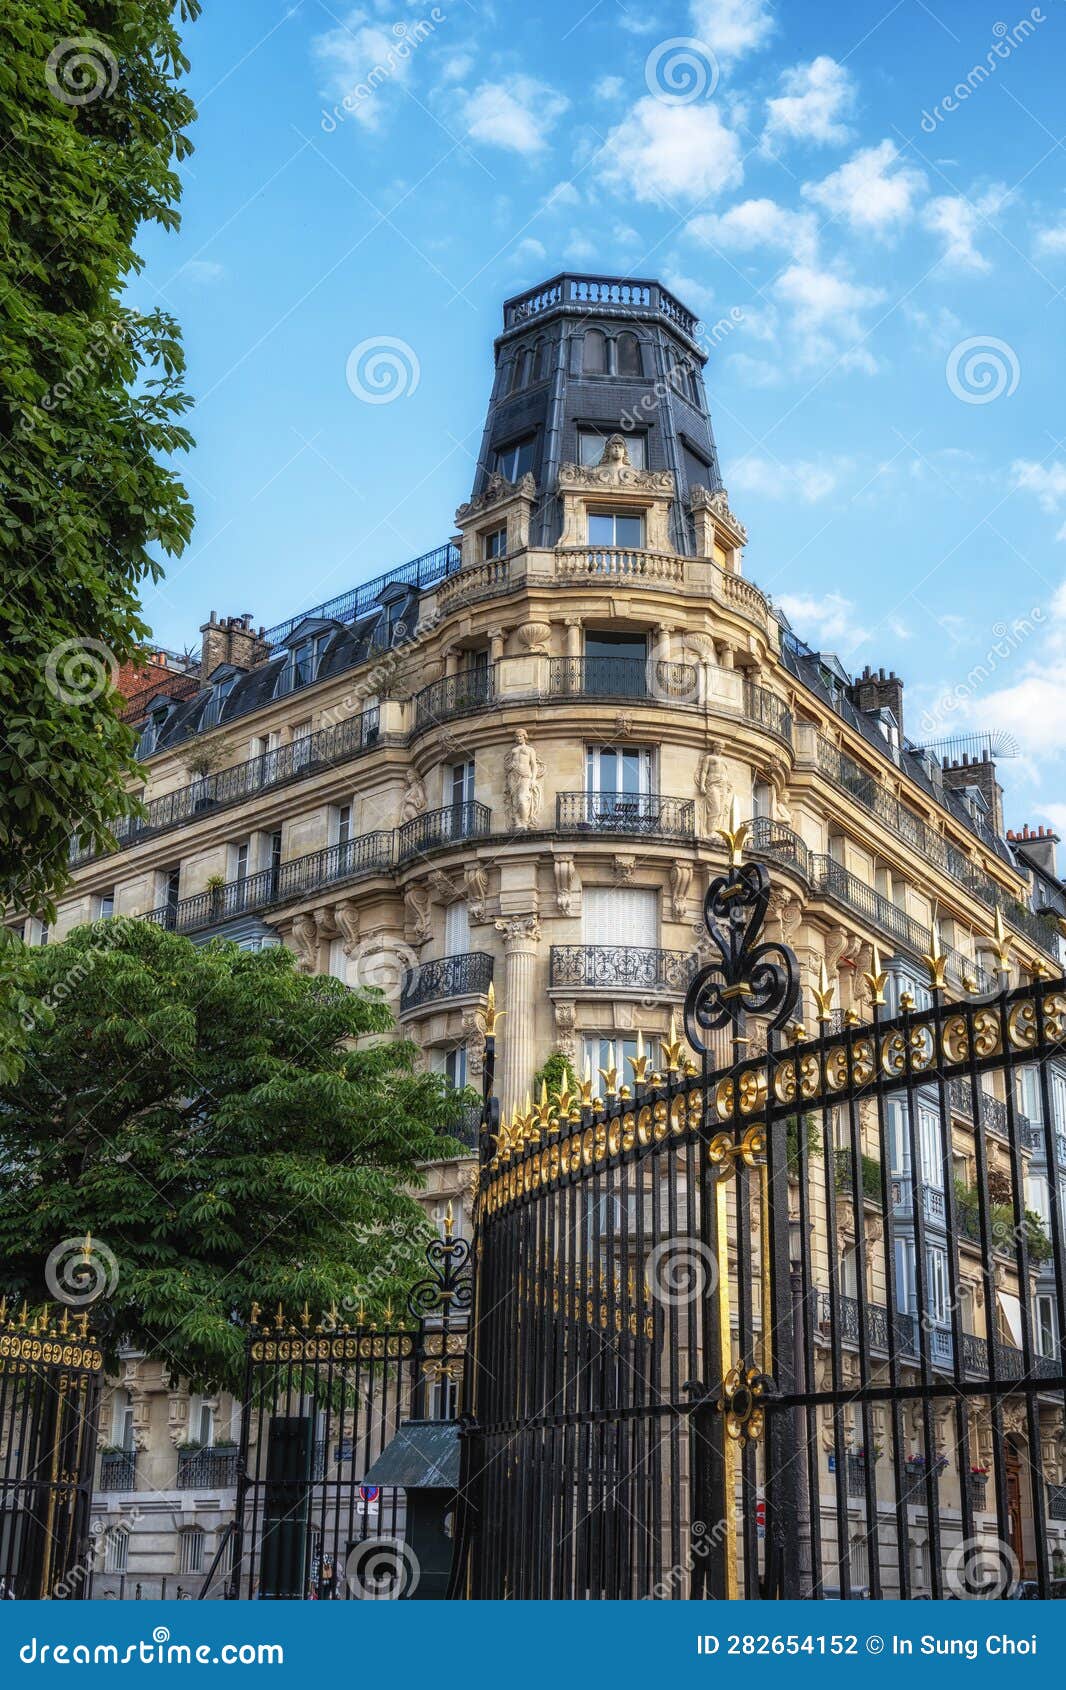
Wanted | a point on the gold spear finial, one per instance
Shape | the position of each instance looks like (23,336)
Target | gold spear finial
(305,1316)
(491,1013)
(1001,943)
(609,1075)
(735,834)
(877,977)
(824,993)
(254,1317)
(639,1063)
(672,1048)
(586,1085)
(936,962)
(449,1220)
(543,1114)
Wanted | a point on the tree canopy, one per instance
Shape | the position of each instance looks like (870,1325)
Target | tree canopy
(202,1116)
(94,122)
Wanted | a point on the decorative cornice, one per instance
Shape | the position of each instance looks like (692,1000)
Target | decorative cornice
(702,499)
(497,492)
(614,471)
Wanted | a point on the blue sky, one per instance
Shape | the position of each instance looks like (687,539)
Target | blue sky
(867,199)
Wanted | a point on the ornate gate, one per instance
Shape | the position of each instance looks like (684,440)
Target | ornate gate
(793,1327)
(49,1393)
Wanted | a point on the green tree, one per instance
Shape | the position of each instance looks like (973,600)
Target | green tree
(94,122)
(204,1118)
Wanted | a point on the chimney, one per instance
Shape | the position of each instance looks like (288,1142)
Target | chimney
(1037,846)
(877,691)
(981,773)
(233,640)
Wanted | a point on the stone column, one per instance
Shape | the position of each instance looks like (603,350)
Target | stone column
(496,640)
(518,1047)
(573,636)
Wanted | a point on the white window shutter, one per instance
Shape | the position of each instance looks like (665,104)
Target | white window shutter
(456,929)
(619,915)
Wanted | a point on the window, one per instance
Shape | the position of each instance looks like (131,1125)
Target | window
(698,471)
(930,1148)
(303,661)
(627,355)
(116,1549)
(122,1425)
(240,859)
(173,887)
(858,1564)
(105,905)
(1045,1325)
(905,1292)
(619,776)
(514,461)
(849,1271)
(620,915)
(520,367)
(459,784)
(494,544)
(594,353)
(217,702)
(1057,1088)
(301,745)
(598,1053)
(615,528)
(455,1067)
(540,361)
(342,826)
(762,799)
(191,1550)
(591,441)
(456,929)
(201,1423)
(937,1287)
(444,1398)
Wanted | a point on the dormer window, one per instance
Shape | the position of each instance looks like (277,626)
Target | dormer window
(217,702)
(150,733)
(302,665)
(516,460)
(616,529)
(495,544)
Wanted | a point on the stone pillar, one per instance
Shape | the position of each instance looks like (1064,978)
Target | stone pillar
(451,661)
(496,639)
(664,646)
(518,1053)
(573,636)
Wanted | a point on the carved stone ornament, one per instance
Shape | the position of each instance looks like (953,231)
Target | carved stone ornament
(567,885)
(418,907)
(443,887)
(523,777)
(533,636)
(565,1030)
(702,499)
(614,470)
(476,886)
(414,798)
(474,1038)
(714,787)
(623,725)
(305,937)
(346,915)
(497,490)
(624,868)
(520,932)
(680,882)
(325,925)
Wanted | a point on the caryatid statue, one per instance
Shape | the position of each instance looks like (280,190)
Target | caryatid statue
(523,774)
(714,786)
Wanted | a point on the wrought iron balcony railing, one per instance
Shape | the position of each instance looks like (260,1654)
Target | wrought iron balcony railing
(994,1114)
(1009,1361)
(454,695)
(211,792)
(766,710)
(625,967)
(866,790)
(446,977)
(207,1469)
(373,853)
(623,677)
(447,826)
(644,814)
(118,1469)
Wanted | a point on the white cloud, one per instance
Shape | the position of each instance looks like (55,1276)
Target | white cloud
(671,152)
(516,113)
(1046,481)
(732,28)
(957,221)
(360,63)
(755,372)
(456,68)
(826,309)
(1050,242)
(830,623)
(607,87)
(579,249)
(203,271)
(690,291)
(814,100)
(529,251)
(874,192)
(801,479)
(757,223)
(563,193)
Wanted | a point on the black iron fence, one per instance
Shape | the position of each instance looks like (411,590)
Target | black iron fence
(454,695)
(630,967)
(623,677)
(643,814)
(446,977)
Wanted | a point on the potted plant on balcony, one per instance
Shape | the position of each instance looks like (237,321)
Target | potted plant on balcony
(978,1482)
(215,887)
(202,762)
(917,1466)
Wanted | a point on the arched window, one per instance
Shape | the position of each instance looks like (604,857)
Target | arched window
(540,361)
(520,369)
(594,353)
(628,355)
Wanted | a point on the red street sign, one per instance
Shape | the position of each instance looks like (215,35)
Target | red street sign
(369,1493)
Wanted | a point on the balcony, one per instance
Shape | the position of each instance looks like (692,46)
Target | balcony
(454,695)
(448,826)
(207,1469)
(636,568)
(373,853)
(325,749)
(1009,1361)
(577,294)
(645,815)
(763,708)
(447,977)
(867,790)
(993,1114)
(623,678)
(118,1470)
(621,967)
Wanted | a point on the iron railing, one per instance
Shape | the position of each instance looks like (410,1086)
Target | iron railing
(766,710)
(867,790)
(210,792)
(601,294)
(626,967)
(645,814)
(118,1469)
(447,826)
(446,977)
(454,695)
(207,1469)
(421,572)
(623,677)
(1009,1361)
